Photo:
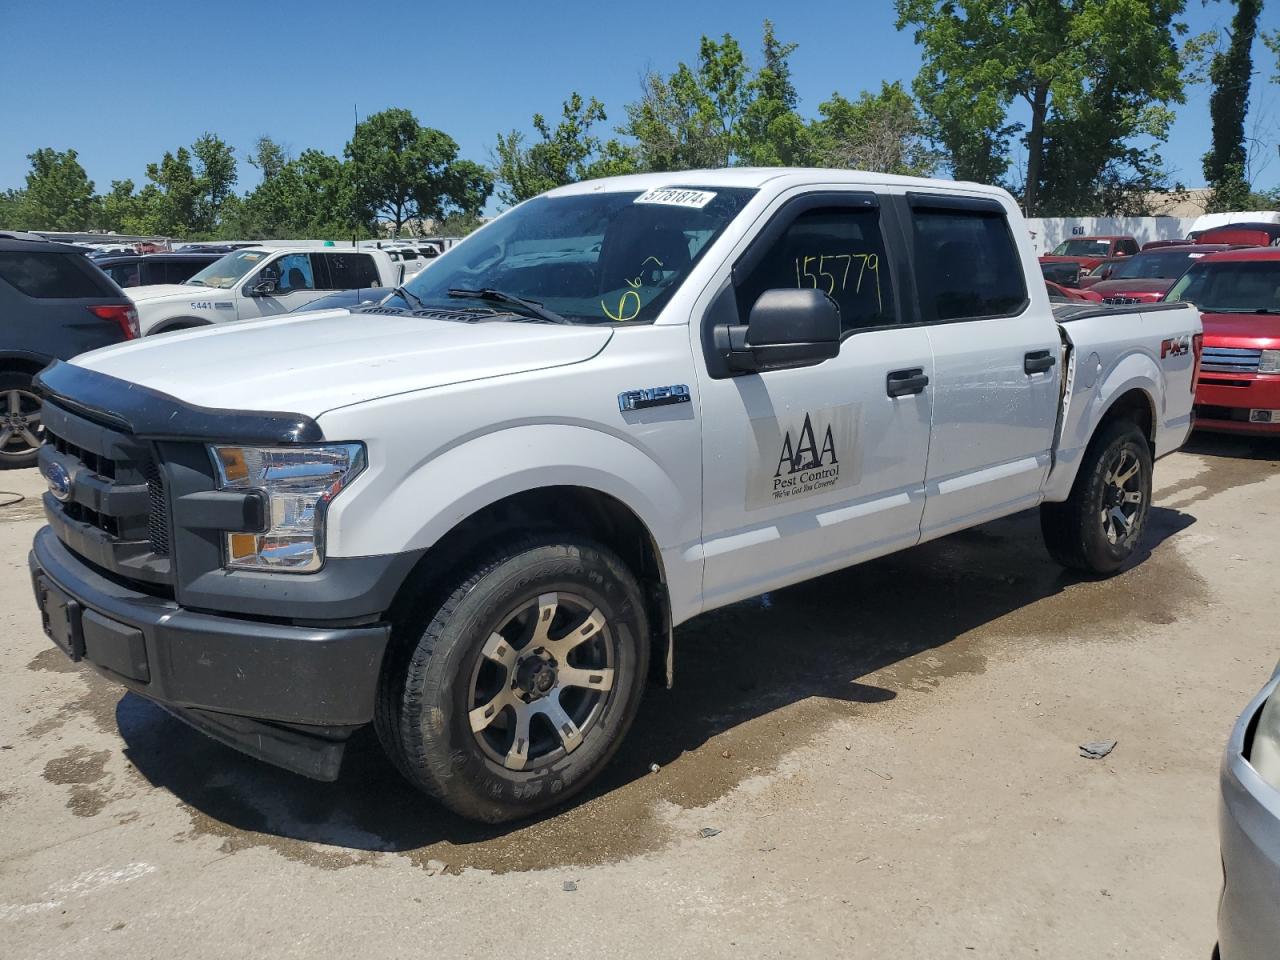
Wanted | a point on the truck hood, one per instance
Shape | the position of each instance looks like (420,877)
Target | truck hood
(161,291)
(1249,330)
(312,362)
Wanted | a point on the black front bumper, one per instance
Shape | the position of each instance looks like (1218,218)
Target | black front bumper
(290,695)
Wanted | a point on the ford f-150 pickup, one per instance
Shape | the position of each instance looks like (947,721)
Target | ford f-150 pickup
(259,282)
(473,514)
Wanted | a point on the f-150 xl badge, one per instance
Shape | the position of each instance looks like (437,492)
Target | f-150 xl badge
(652,397)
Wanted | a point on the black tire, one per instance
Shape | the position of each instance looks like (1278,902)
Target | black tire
(1083,533)
(437,675)
(21,426)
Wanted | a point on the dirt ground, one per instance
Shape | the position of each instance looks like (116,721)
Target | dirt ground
(890,756)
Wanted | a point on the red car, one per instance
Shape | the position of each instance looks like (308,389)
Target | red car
(1091,251)
(1238,292)
(1147,276)
(1059,292)
(1242,234)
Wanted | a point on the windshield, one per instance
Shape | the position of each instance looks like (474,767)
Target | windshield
(1158,265)
(225,272)
(1082,247)
(1231,286)
(592,258)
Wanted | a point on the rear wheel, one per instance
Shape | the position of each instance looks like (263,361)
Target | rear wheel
(1101,524)
(512,692)
(21,426)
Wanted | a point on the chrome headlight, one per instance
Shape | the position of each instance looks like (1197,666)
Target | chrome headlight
(1269,362)
(1264,752)
(299,483)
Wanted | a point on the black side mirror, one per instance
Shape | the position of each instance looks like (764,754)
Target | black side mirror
(264,288)
(786,329)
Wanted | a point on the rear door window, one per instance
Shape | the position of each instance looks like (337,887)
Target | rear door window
(966,264)
(349,271)
(54,276)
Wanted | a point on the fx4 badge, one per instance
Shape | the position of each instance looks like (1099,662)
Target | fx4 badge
(1175,346)
(648,397)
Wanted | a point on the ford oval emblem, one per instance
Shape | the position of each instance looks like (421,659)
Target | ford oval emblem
(59,482)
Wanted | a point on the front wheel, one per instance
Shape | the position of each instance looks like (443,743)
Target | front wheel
(512,693)
(1101,523)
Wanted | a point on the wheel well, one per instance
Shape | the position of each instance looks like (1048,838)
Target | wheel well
(21,365)
(577,510)
(1134,405)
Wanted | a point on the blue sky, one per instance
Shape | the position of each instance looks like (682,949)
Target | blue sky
(123,83)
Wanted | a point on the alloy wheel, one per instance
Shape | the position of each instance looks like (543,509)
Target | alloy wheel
(542,681)
(21,429)
(1121,496)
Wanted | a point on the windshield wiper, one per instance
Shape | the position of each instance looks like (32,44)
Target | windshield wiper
(408,294)
(194,283)
(499,296)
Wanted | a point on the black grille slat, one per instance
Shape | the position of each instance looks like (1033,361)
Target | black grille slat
(157,518)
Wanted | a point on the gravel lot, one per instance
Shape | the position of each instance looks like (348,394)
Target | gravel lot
(889,753)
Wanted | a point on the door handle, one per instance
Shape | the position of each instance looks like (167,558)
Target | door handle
(1038,361)
(901,383)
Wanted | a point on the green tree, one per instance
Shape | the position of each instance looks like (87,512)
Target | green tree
(13,210)
(772,133)
(695,117)
(403,171)
(121,210)
(1225,165)
(216,175)
(567,153)
(170,201)
(1096,71)
(883,132)
(59,194)
(310,196)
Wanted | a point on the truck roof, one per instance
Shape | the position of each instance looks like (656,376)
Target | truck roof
(759,176)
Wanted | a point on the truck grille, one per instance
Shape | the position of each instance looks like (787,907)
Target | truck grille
(1121,301)
(116,513)
(1230,360)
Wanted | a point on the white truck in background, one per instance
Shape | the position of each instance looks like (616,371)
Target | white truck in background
(473,514)
(261,281)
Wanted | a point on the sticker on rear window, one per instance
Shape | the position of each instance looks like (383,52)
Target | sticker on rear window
(677,197)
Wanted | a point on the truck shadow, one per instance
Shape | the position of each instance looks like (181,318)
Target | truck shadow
(753,681)
(1234,446)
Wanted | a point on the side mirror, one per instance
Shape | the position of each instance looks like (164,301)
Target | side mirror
(263,288)
(786,329)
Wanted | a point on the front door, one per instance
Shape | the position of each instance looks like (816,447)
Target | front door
(809,470)
(296,286)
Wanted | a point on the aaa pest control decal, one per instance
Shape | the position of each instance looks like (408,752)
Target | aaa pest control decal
(804,454)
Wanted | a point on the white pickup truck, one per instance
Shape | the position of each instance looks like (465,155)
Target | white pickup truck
(260,282)
(474,514)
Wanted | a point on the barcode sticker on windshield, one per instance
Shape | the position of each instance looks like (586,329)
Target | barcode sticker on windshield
(677,197)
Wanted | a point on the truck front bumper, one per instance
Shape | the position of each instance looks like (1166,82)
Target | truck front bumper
(287,694)
(1232,403)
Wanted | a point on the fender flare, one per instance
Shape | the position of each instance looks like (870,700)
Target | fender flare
(183,323)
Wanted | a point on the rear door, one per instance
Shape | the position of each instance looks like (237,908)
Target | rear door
(995,348)
(813,469)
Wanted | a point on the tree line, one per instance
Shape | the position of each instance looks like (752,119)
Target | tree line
(1095,80)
